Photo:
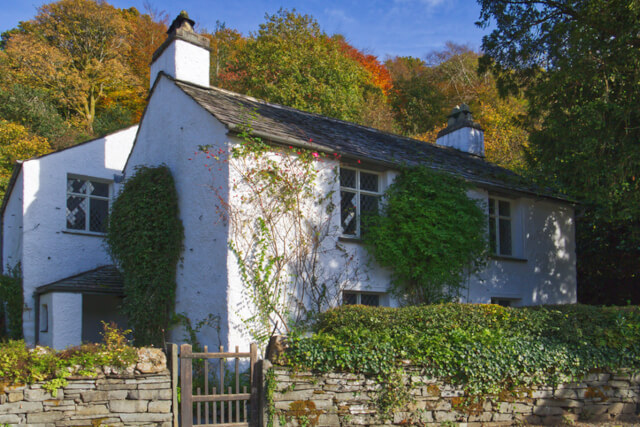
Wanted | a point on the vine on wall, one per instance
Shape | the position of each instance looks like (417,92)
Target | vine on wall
(12,301)
(283,228)
(430,234)
(145,236)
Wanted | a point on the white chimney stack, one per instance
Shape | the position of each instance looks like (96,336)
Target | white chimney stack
(462,133)
(184,55)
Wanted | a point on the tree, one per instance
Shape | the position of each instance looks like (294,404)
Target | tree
(16,143)
(291,61)
(579,64)
(75,49)
(226,43)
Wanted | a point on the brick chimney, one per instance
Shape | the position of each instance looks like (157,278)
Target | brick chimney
(462,133)
(184,55)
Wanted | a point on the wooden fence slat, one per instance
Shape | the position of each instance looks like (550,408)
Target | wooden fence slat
(185,383)
(221,397)
(255,379)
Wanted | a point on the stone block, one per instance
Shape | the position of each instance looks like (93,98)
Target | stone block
(149,394)
(15,387)
(588,411)
(39,395)
(145,418)
(15,396)
(10,419)
(94,396)
(128,406)
(483,417)
(562,403)
(497,417)
(20,407)
(154,386)
(565,393)
(110,387)
(91,410)
(547,410)
(517,408)
(328,420)
(542,394)
(162,406)
(80,386)
(443,416)
(44,417)
(151,360)
(619,384)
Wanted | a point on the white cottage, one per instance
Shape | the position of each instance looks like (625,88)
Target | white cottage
(65,265)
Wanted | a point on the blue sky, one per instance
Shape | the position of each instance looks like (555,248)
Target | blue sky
(389,27)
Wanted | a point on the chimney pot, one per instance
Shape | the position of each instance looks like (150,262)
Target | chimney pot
(462,133)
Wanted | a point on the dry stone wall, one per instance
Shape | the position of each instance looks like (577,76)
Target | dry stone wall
(340,399)
(142,394)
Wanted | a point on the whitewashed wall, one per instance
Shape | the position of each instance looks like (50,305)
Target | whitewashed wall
(170,132)
(49,251)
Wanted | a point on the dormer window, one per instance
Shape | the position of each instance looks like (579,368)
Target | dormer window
(87,204)
(359,194)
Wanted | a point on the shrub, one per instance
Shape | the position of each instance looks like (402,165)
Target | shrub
(21,365)
(485,348)
(145,237)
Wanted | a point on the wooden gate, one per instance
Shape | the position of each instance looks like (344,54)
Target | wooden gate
(219,399)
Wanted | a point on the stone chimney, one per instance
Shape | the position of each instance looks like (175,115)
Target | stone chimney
(462,133)
(184,55)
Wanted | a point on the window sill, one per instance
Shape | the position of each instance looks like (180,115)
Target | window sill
(350,239)
(84,233)
(507,258)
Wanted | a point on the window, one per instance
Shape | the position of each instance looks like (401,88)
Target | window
(505,302)
(500,235)
(87,204)
(363,298)
(44,318)
(359,194)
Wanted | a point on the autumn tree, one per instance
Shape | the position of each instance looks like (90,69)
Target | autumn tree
(75,49)
(291,61)
(226,43)
(579,63)
(16,143)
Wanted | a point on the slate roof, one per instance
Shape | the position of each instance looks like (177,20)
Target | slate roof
(102,280)
(353,142)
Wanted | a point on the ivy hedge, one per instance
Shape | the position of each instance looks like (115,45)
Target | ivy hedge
(145,236)
(487,349)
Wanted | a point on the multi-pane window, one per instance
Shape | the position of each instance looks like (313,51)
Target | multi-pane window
(359,194)
(500,237)
(505,302)
(87,204)
(363,298)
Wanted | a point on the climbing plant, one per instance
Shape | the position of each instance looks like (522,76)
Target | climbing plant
(11,300)
(283,224)
(145,237)
(429,233)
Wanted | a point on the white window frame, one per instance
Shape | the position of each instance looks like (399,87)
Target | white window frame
(495,219)
(89,197)
(358,191)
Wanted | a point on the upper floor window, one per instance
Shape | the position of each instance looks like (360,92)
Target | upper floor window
(500,231)
(87,204)
(359,194)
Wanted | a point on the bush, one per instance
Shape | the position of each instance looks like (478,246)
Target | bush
(21,365)
(485,348)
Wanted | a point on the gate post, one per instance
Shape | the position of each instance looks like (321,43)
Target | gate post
(255,380)
(186,406)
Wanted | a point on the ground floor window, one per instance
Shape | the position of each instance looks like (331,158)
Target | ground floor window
(362,298)
(505,302)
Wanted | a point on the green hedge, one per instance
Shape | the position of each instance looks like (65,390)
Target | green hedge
(485,348)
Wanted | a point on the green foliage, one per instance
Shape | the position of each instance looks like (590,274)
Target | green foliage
(145,237)
(21,365)
(579,64)
(430,233)
(12,299)
(484,348)
(290,61)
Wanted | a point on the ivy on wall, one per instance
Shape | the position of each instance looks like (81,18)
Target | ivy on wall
(145,236)
(12,302)
(429,233)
